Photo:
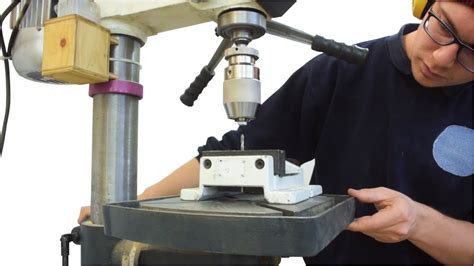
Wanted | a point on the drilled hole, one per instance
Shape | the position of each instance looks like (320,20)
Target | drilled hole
(207,163)
(259,164)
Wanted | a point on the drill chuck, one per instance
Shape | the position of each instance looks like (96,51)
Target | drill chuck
(242,84)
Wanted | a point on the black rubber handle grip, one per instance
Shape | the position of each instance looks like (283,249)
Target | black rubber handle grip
(353,54)
(197,86)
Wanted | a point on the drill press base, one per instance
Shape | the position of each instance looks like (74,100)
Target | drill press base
(242,224)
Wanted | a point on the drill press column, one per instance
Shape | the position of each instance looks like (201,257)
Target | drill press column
(115,130)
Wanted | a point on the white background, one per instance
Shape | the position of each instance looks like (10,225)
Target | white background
(45,168)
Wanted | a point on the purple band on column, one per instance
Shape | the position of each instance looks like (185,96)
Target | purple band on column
(117,86)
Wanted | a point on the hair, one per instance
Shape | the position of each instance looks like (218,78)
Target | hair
(469,3)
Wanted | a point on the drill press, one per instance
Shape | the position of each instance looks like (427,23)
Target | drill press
(285,217)
(288,218)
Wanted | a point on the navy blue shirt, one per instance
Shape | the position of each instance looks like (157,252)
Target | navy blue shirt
(366,127)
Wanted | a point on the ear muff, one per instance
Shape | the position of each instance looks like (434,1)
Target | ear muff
(420,7)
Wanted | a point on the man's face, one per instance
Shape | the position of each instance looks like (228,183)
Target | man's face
(434,65)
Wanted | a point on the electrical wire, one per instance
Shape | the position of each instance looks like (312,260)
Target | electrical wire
(6,52)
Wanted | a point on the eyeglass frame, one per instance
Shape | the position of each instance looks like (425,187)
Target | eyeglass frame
(450,31)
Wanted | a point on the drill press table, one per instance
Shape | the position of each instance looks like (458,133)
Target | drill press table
(241,224)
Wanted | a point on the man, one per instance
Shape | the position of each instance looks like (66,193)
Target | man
(373,128)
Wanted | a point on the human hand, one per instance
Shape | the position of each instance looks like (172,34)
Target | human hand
(84,214)
(395,220)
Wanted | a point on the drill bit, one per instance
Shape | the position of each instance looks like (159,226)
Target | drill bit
(242,124)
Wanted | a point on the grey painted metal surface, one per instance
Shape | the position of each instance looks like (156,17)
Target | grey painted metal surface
(99,249)
(226,206)
(96,248)
(302,229)
(276,8)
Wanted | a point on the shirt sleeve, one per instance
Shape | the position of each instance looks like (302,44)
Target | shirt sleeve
(292,118)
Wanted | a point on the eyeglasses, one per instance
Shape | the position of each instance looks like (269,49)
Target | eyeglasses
(443,35)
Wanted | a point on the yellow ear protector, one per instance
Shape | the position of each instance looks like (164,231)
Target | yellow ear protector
(420,7)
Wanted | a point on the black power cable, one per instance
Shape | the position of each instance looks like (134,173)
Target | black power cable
(75,237)
(6,55)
